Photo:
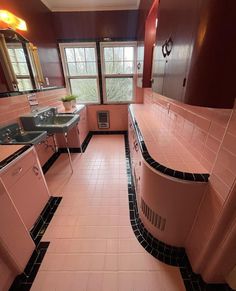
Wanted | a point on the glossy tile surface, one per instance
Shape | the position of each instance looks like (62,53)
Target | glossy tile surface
(92,245)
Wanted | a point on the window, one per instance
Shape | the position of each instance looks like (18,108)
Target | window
(81,72)
(118,71)
(20,67)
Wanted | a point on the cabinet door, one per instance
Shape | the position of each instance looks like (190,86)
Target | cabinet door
(178,22)
(30,195)
(15,241)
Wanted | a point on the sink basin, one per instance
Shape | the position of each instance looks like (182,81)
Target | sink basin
(16,136)
(49,121)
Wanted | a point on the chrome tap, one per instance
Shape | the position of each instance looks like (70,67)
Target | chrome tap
(7,135)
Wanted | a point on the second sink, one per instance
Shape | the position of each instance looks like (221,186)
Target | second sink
(49,121)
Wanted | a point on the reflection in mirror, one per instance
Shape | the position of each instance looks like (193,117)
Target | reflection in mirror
(20,66)
(19,62)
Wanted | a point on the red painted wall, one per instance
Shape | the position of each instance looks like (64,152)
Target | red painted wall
(40,31)
(96,24)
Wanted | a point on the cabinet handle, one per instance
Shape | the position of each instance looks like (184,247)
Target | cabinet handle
(36,170)
(136,146)
(17,171)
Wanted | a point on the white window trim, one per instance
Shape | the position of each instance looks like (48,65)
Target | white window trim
(62,47)
(134,75)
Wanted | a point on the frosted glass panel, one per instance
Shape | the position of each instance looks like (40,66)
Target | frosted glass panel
(85,89)
(119,89)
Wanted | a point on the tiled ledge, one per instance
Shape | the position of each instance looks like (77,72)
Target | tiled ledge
(161,154)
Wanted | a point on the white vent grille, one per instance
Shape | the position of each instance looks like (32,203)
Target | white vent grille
(103,119)
(155,219)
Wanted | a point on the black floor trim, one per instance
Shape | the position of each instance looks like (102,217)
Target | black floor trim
(50,162)
(44,219)
(168,254)
(24,281)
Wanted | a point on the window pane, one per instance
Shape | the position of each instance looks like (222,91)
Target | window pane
(128,67)
(118,54)
(79,54)
(72,69)
(12,55)
(118,67)
(24,84)
(81,68)
(129,54)
(109,68)
(70,56)
(119,89)
(90,54)
(108,54)
(91,68)
(85,89)
(20,55)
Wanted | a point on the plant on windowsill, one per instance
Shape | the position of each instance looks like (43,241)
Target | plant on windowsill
(69,101)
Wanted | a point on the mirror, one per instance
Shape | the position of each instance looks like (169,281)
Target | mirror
(19,61)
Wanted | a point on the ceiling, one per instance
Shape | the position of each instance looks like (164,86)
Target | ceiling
(91,5)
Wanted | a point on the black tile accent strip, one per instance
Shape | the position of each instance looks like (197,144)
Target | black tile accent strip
(24,281)
(201,177)
(168,254)
(44,219)
(77,150)
(50,162)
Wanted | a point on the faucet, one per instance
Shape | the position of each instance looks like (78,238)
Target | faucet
(7,135)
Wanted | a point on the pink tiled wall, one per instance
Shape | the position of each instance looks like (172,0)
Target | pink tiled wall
(12,107)
(200,129)
(209,134)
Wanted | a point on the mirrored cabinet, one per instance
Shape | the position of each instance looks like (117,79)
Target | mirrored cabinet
(20,68)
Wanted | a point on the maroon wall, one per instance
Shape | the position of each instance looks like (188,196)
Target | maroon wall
(96,24)
(41,33)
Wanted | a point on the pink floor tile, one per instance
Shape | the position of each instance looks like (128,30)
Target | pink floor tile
(92,245)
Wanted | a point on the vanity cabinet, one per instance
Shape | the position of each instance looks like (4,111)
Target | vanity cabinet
(26,185)
(16,245)
(45,150)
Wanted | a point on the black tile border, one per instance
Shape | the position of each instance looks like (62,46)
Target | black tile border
(199,177)
(44,219)
(78,150)
(169,255)
(50,162)
(24,281)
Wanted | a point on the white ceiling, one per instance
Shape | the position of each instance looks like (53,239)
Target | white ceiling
(91,5)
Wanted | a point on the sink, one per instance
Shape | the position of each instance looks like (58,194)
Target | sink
(49,120)
(12,134)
